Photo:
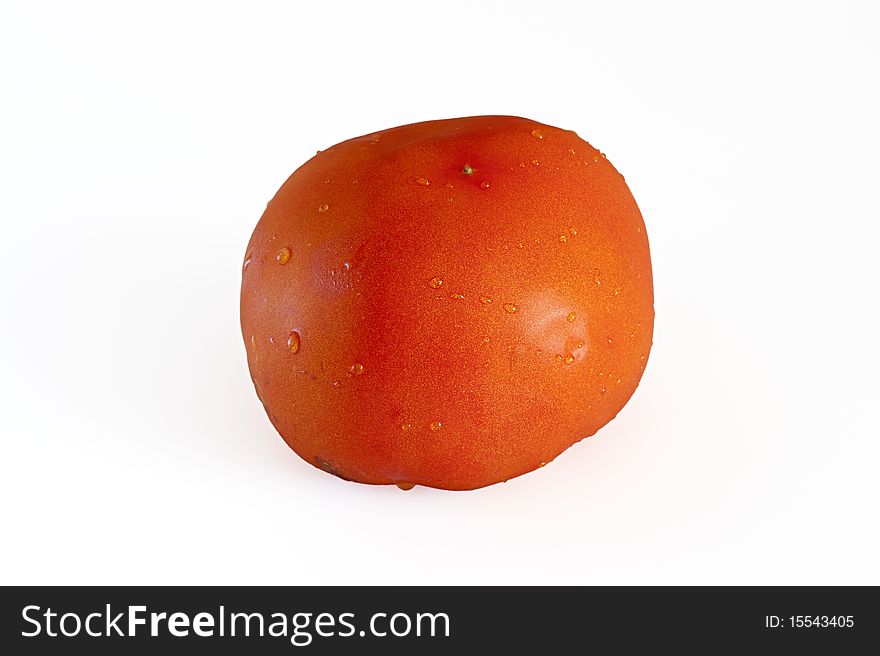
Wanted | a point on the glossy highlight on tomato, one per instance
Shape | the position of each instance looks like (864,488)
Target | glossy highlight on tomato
(450,303)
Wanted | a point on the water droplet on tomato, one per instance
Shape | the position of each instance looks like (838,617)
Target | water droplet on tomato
(294,342)
(323,208)
(435,282)
(356,369)
(423,181)
(436,425)
(456,296)
(484,184)
(510,308)
(485,300)
(569,359)
(571,317)
(283,256)
(405,485)
(247,262)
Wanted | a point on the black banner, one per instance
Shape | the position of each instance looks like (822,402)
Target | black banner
(434,620)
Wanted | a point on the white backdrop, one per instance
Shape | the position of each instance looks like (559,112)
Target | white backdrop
(140,144)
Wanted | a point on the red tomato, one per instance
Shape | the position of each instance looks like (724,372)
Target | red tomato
(450,303)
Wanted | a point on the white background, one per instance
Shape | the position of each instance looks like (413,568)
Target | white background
(139,146)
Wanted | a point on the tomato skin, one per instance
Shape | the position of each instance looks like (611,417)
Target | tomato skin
(450,303)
